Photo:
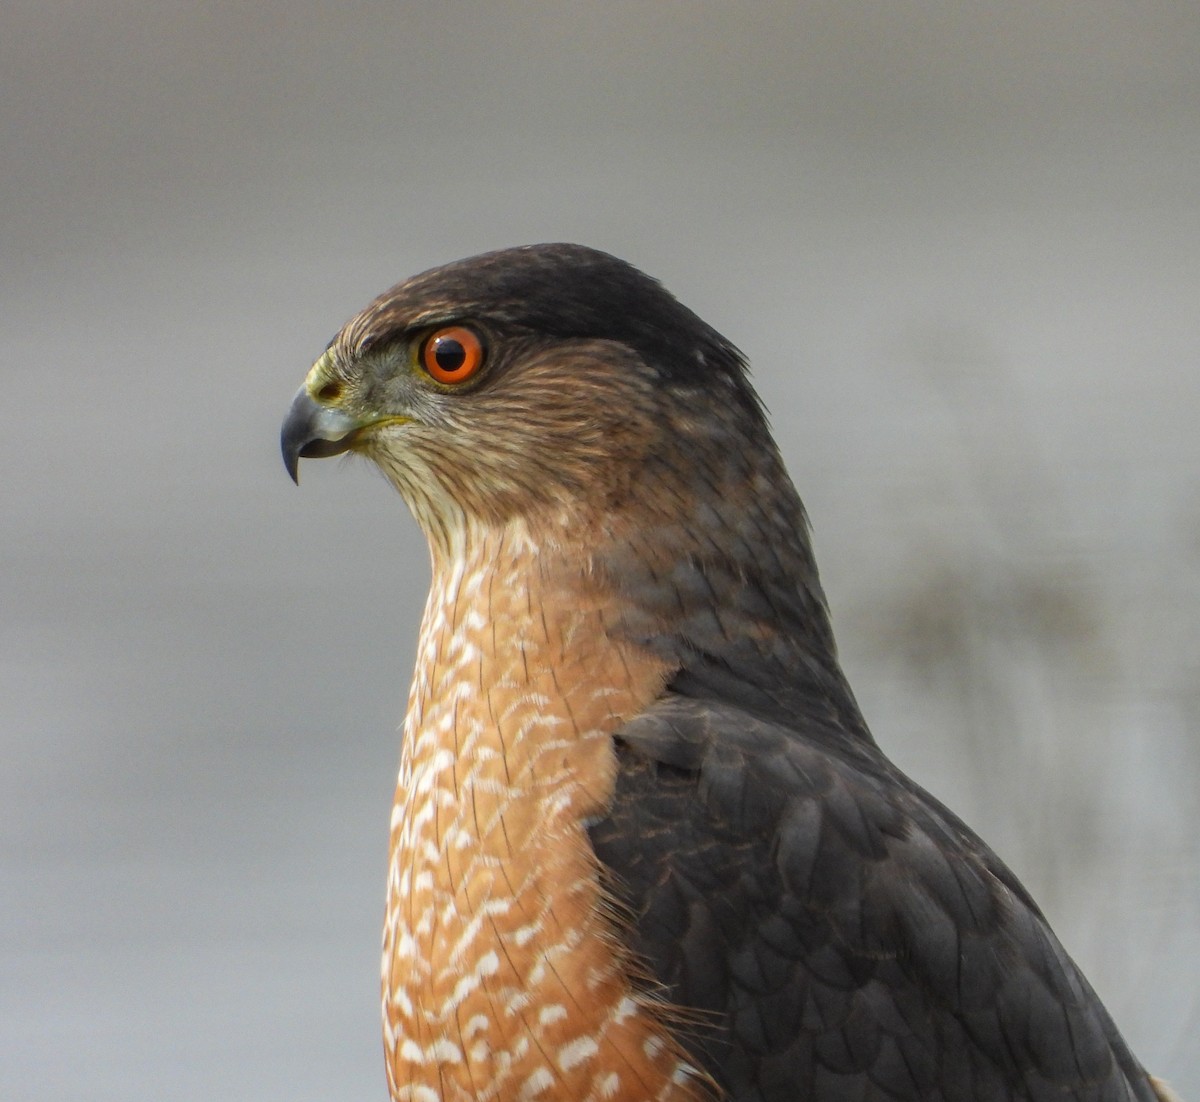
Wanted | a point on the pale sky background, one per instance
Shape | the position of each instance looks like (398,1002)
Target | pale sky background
(960,244)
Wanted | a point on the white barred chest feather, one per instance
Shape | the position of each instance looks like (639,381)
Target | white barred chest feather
(502,972)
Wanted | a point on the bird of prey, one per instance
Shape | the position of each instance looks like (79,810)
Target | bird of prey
(644,845)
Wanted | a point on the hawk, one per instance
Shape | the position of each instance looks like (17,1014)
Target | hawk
(644,845)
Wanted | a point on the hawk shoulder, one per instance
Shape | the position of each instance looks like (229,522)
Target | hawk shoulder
(831,930)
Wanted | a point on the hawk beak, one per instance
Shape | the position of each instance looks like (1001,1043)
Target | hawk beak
(311,430)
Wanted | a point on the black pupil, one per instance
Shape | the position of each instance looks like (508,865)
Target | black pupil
(449,353)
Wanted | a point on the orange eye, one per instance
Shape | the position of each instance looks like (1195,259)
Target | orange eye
(452,355)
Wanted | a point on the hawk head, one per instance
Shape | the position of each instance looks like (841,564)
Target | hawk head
(522,381)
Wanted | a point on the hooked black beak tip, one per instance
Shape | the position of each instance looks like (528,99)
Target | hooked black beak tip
(312,430)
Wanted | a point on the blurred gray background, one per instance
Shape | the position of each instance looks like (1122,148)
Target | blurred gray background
(960,244)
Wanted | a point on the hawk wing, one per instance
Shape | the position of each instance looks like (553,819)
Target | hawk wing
(832,930)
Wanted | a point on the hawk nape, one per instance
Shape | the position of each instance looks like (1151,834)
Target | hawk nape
(644,846)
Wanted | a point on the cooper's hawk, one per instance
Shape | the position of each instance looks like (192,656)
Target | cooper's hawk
(643,845)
